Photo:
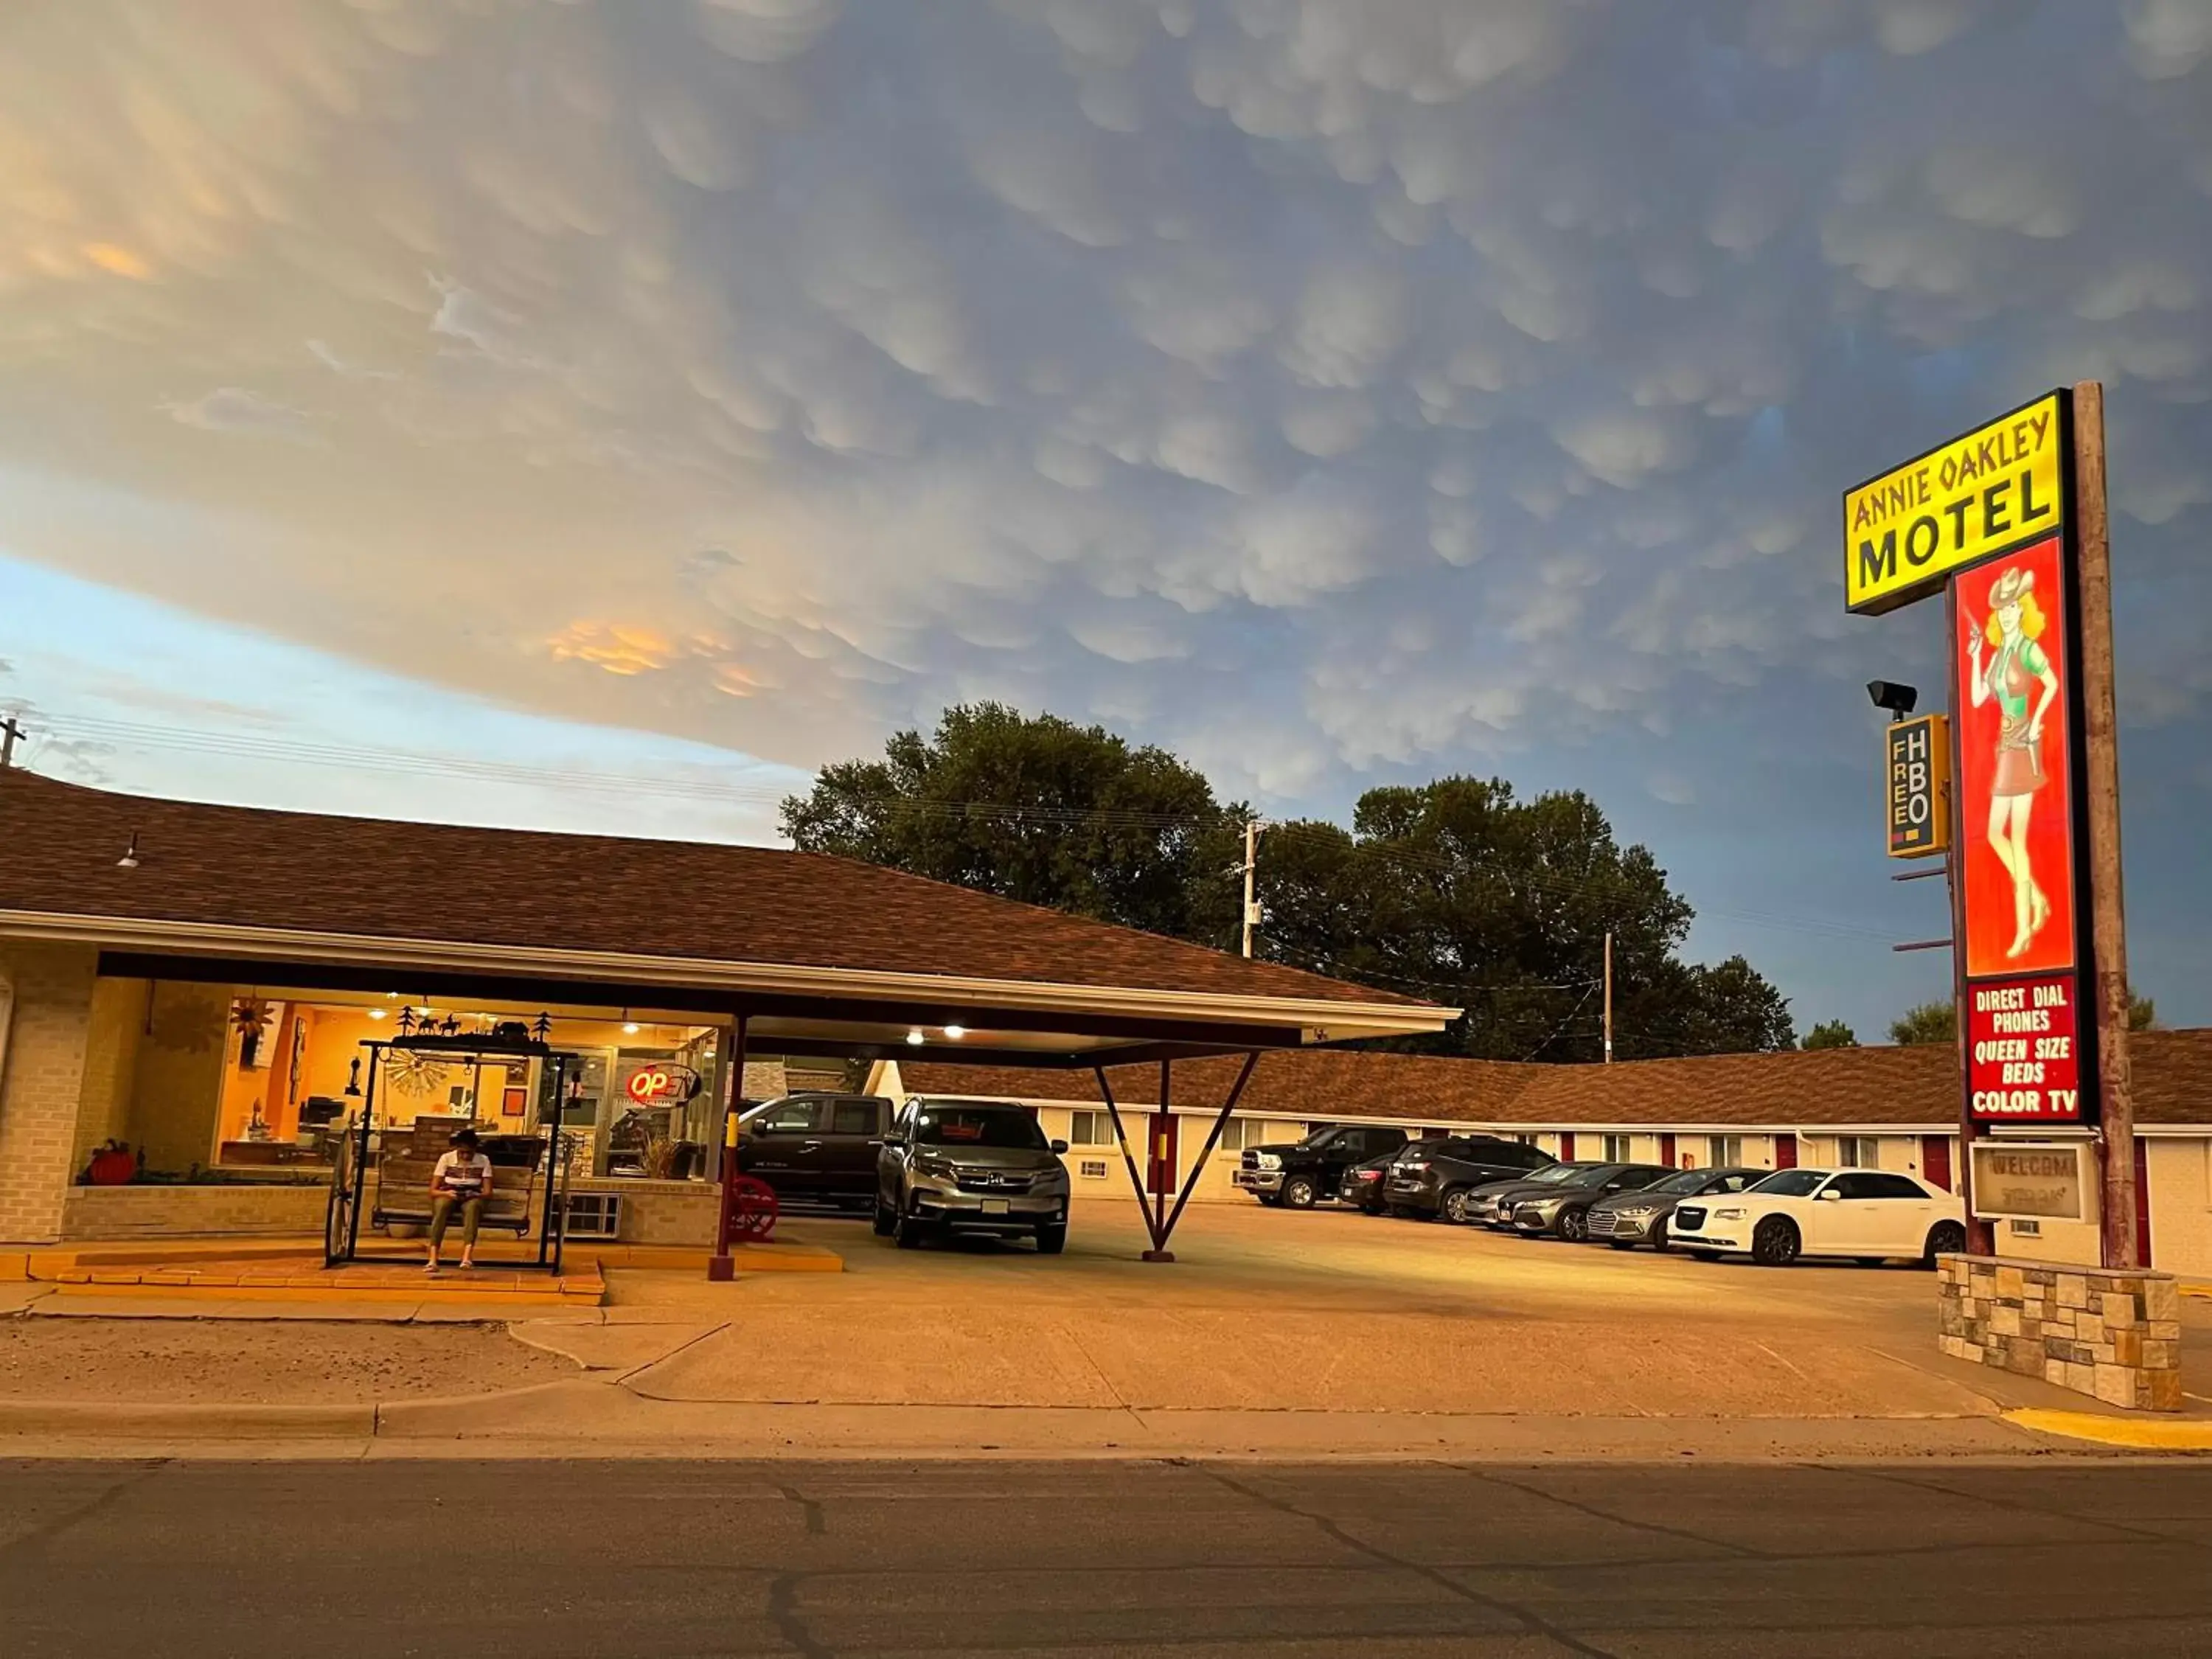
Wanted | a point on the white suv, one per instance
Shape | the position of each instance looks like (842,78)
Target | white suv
(1871,1216)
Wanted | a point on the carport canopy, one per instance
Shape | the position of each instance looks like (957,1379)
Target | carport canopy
(801,954)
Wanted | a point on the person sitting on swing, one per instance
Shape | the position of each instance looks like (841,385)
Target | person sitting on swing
(462,1180)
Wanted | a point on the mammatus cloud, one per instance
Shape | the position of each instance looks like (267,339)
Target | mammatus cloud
(232,409)
(1320,387)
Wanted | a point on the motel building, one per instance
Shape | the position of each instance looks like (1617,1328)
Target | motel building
(195,1001)
(1873,1109)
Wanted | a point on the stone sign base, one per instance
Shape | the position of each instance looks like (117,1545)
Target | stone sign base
(2112,1334)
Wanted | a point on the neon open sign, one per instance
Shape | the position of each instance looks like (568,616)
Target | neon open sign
(662,1085)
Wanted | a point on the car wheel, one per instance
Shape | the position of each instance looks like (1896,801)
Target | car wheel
(886,1219)
(1706,1255)
(1944,1238)
(1622,1243)
(1659,1240)
(1299,1193)
(1776,1243)
(1052,1240)
(907,1231)
(1574,1225)
(1455,1206)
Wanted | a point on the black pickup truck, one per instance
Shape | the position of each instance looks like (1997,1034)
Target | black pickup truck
(1299,1174)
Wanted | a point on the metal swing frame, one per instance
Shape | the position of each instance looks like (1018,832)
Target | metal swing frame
(349,1171)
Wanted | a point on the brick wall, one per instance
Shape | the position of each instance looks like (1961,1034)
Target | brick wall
(41,1082)
(106,1213)
(117,1020)
(2111,1334)
(662,1212)
(176,1089)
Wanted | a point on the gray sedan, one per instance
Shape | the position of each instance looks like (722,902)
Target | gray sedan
(1627,1219)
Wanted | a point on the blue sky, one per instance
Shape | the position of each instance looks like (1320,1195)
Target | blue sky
(667,400)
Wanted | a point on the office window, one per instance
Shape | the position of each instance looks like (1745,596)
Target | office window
(1616,1148)
(1857,1152)
(1089,1129)
(1723,1152)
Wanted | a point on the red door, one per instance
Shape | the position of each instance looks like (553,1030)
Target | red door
(1785,1151)
(1160,1167)
(1567,1147)
(1936,1161)
(2143,1203)
(1666,1150)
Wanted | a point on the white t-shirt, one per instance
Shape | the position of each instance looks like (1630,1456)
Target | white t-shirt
(465,1174)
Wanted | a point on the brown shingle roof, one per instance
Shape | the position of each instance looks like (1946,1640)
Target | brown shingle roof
(1310,1083)
(1915,1085)
(382,879)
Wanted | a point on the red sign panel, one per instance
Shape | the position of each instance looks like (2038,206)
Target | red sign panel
(2013,839)
(2014,832)
(2023,1049)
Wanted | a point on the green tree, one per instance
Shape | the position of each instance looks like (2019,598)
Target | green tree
(1831,1034)
(1928,1022)
(1455,891)
(1039,810)
(1459,891)
(2143,1014)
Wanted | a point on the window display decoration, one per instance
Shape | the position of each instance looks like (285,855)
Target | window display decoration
(251,1016)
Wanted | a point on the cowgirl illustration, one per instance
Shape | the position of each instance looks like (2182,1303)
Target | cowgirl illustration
(2018,671)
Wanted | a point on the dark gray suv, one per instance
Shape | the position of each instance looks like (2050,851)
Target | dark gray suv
(971,1166)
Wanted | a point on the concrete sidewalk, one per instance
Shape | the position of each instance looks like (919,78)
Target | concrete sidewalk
(1279,1335)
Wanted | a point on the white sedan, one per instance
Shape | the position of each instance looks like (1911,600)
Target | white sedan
(1870,1215)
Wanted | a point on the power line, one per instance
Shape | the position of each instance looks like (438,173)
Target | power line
(1562,1030)
(245,746)
(667,785)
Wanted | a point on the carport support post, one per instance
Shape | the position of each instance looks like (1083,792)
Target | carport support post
(721,1267)
(1156,1166)
(1212,1140)
(1136,1181)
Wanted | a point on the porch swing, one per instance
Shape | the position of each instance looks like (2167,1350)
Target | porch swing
(404,1156)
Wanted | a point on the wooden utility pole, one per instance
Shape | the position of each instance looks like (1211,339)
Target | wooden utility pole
(1608,998)
(9,733)
(1251,857)
(2100,760)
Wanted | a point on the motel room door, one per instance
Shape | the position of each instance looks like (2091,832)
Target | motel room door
(1936,1161)
(1163,1156)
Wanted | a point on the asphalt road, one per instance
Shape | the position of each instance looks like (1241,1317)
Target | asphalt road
(668,1559)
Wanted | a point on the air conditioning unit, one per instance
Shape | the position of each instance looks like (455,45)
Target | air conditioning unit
(592,1215)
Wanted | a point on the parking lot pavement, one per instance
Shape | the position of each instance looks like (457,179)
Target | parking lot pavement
(1325,1310)
(189,1560)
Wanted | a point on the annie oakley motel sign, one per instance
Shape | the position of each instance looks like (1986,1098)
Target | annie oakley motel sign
(1987,517)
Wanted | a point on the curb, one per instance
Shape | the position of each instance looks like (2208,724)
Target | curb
(211,1422)
(2134,1434)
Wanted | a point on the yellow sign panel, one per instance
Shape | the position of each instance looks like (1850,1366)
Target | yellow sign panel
(1919,786)
(2000,487)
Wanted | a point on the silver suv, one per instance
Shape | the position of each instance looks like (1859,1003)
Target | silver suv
(969,1166)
